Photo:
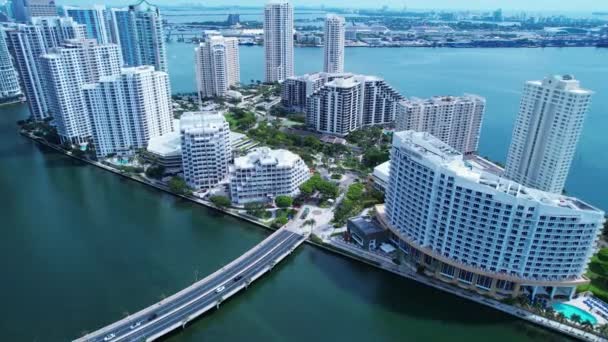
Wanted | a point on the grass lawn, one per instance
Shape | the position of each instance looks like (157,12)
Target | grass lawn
(598,273)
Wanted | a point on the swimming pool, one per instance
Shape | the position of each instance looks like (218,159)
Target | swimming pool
(569,310)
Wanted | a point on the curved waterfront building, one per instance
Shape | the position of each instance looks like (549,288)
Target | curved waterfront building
(481,231)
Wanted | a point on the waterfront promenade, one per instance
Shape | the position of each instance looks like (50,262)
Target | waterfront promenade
(181,308)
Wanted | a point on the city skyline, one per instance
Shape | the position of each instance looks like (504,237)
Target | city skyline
(486,5)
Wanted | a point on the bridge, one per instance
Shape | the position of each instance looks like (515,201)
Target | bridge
(178,310)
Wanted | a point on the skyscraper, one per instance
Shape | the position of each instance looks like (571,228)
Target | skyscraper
(9,83)
(350,102)
(27,43)
(278,41)
(546,132)
(333,61)
(25,10)
(453,120)
(206,149)
(95,20)
(139,31)
(217,66)
(128,109)
(65,70)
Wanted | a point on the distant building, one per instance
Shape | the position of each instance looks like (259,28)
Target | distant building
(65,70)
(95,19)
(278,41)
(128,109)
(233,19)
(347,104)
(366,232)
(546,132)
(9,81)
(206,149)
(27,43)
(25,10)
(217,66)
(263,174)
(333,55)
(139,31)
(481,231)
(454,120)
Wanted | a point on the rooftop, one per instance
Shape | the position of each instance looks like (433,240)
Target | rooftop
(425,146)
(567,83)
(366,225)
(266,156)
(202,122)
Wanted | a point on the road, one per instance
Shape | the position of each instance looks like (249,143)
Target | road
(177,310)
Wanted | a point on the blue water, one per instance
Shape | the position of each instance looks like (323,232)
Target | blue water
(497,74)
(569,310)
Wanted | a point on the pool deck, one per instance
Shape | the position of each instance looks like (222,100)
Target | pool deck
(578,302)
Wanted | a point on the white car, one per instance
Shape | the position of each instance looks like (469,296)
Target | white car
(109,337)
(220,289)
(135,325)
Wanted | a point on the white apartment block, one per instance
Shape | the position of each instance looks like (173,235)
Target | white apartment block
(128,109)
(95,19)
(206,149)
(27,43)
(65,70)
(278,41)
(546,132)
(453,120)
(138,29)
(351,102)
(482,231)
(333,54)
(217,66)
(9,82)
(296,89)
(263,174)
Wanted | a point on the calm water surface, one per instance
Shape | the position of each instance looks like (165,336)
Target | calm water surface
(81,247)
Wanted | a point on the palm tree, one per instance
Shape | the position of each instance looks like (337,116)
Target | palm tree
(575,318)
(561,317)
(550,312)
(587,325)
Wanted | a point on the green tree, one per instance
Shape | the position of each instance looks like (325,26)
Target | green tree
(220,201)
(280,222)
(374,157)
(178,185)
(355,192)
(256,209)
(575,318)
(283,201)
(155,171)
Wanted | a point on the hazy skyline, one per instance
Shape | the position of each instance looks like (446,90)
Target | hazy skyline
(508,5)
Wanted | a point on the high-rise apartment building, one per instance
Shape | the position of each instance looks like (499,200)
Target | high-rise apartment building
(206,149)
(126,110)
(65,70)
(138,30)
(333,61)
(25,10)
(263,174)
(217,66)
(296,89)
(95,19)
(278,41)
(9,82)
(546,132)
(27,43)
(453,120)
(351,102)
(481,231)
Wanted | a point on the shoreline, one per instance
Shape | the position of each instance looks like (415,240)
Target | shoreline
(516,312)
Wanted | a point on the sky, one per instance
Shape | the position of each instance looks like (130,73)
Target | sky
(511,5)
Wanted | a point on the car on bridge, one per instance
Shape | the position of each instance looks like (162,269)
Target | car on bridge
(220,289)
(109,337)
